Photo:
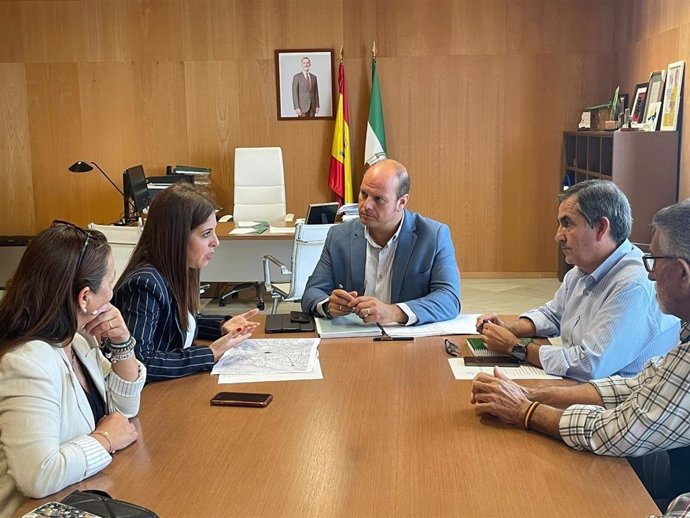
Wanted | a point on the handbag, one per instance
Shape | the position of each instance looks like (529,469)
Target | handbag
(100,503)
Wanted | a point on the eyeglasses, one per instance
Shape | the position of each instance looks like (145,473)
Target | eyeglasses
(649,260)
(451,348)
(87,237)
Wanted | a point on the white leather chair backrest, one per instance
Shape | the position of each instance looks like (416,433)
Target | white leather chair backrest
(309,241)
(259,184)
(122,241)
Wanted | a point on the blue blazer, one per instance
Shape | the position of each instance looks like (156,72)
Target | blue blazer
(425,273)
(150,312)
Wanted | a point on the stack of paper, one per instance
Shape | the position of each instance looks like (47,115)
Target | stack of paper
(349,211)
(344,327)
(279,359)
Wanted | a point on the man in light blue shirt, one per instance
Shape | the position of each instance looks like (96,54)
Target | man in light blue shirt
(606,310)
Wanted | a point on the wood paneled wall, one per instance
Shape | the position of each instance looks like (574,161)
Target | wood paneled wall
(650,34)
(476,94)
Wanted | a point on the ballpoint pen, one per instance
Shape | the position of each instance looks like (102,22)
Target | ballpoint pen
(385,337)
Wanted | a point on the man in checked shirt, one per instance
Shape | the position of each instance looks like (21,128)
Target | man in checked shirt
(621,417)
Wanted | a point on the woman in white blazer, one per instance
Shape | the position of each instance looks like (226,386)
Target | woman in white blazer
(64,406)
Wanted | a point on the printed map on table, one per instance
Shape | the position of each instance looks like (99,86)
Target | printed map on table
(269,356)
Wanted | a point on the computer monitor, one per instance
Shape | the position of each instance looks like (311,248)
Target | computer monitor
(136,192)
(321,213)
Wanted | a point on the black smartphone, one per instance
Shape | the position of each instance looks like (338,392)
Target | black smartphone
(299,317)
(241,399)
(490,361)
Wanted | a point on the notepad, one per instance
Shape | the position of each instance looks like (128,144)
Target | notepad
(478,347)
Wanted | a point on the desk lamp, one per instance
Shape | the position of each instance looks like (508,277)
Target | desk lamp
(85,167)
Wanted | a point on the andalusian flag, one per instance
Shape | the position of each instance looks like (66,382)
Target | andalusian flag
(375,145)
(340,176)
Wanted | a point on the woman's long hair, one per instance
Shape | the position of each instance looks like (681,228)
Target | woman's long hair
(41,298)
(173,215)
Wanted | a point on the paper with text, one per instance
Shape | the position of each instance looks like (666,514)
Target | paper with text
(524,372)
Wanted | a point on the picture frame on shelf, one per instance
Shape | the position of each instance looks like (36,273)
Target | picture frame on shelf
(653,116)
(638,108)
(672,96)
(623,100)
(304,84)
(655,96)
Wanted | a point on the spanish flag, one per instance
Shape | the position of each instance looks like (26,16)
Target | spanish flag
(340,176)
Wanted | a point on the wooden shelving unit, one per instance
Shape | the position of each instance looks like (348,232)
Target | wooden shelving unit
(644,164)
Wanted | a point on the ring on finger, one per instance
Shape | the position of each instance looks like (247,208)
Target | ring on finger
(366,313)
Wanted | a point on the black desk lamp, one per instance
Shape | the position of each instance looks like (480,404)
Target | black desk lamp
(85,167)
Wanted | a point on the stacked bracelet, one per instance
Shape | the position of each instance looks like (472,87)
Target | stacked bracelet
(530,413)
(119,352)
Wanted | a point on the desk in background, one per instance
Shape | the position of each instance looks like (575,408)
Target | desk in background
(387,432)
(238,257)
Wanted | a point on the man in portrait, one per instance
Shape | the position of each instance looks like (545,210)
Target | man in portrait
(305,91)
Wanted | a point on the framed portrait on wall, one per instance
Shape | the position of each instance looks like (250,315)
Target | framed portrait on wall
(639,102)
(672,99)
(304,84)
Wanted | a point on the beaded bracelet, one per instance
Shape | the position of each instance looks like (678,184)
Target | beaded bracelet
(121,357)
(530,413)
(127,344)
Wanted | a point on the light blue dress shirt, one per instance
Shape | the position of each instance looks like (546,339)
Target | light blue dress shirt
(609,321)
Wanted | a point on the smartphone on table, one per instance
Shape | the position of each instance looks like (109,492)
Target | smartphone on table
(299,317)
(241,399)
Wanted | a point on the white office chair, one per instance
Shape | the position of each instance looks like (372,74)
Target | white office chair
(122,241)
(259,184)
(259,196)
(306,251)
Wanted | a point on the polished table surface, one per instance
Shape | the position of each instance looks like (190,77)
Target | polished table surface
(387,432)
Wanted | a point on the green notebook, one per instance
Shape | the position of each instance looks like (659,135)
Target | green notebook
(476,344)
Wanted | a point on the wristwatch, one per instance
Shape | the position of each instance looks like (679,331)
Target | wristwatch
(520,349)
(324,307)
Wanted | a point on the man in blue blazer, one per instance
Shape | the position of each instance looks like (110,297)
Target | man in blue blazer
(391,265)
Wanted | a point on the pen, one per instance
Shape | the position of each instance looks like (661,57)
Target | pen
(385,337)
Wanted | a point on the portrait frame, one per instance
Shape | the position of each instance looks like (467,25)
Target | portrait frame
(655,95)
(672,96)
(638,107)
(623,99)
(291,85)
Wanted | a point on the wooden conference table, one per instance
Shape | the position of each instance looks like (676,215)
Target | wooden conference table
(387,432)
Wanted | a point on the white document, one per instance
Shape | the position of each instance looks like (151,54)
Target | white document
(345,326)
(243,231)
(269,356)
(460,325)
(245,224)
(523,372)
(315,374)
(352,325)
(281,230)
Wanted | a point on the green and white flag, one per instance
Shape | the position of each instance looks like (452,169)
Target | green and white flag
(375,145)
